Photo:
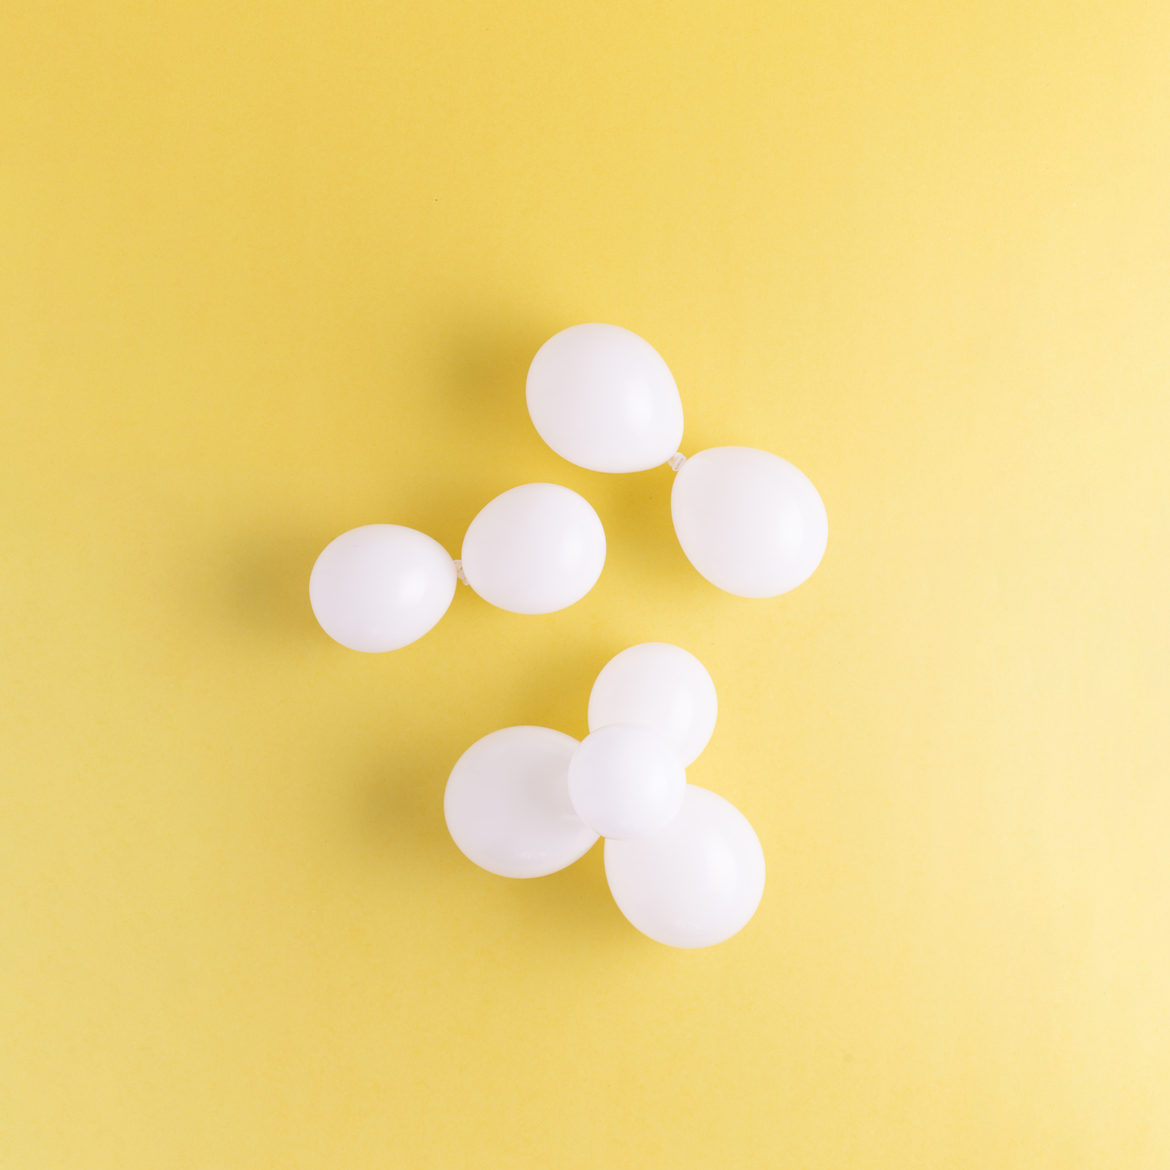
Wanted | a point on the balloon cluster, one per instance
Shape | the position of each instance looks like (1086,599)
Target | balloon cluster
(602,398)
(684,865)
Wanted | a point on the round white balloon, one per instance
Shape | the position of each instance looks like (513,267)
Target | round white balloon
(748,520)
(534,549)
(603,398)
(657,685)
(697,882)
(507,803)
(381,586)
(626,781)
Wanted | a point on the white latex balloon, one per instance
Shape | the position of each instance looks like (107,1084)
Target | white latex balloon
(657,685)
(534,549)
(748,520)
(697,882)
(507,803)
(603,398)
(381,586)
(626,781)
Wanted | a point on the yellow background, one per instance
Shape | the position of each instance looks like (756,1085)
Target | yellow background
(271,270)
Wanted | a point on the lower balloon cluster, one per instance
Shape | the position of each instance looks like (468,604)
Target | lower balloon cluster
(684,865)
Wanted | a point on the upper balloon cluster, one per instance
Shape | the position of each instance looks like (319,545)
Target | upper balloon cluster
(749,521)
(684,866)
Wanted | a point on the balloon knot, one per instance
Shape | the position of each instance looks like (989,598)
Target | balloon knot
(459,571)
(676,461)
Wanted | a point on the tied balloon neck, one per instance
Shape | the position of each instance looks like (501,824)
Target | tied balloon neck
(459,571)
(676,461)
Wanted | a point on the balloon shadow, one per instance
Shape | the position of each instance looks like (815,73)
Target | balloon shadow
(254,587)
(396,816)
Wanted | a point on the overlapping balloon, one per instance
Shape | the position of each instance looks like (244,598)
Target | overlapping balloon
(683,864)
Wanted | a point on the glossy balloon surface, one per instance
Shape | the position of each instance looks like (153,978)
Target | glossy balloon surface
(626,781)
(660,686)
(534,549)
(697,882)
(749,521)
(603,398)
(381,586)
(507,803)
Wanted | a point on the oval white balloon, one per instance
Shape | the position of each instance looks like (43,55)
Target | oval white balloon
(381,586)
(657,685)
(534,549)
(749,521)
(697,882)
(603,398)
(507,803)
(626,781)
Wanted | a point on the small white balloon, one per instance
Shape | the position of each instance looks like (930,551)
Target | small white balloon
(603,398)
(626,781)
(381,586)
(507,803)
(657,685)
(697,882)
(749,521)
(534,549)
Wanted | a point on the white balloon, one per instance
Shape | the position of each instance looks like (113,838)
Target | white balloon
(748,520)
(696,883)
(534,549)
(626,781)
(657,685)
(381,586)
(603,398)
(507,803)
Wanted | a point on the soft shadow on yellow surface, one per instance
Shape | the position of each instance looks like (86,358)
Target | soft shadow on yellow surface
(271,271)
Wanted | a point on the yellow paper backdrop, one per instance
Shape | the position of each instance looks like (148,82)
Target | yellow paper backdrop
(273,270)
